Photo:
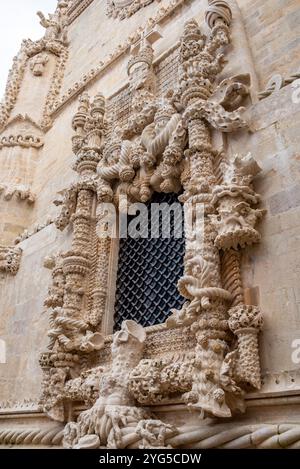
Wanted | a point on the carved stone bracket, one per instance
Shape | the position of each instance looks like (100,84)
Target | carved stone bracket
(10,258)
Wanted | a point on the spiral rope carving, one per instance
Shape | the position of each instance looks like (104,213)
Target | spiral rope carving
(48,437)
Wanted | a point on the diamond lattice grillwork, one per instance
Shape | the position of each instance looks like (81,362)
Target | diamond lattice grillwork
(148,272)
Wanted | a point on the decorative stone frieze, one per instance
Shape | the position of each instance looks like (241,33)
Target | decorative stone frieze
(18,191)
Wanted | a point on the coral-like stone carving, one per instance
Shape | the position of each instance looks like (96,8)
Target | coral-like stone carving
(166,146)
(19,191)
(155,379)
(10,258)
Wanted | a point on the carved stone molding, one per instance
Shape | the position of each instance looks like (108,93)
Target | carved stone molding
(10,258)
(260,436)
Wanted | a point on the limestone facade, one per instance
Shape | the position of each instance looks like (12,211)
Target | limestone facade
(189,97)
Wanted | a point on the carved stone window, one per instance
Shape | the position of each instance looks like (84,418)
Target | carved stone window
(148,272)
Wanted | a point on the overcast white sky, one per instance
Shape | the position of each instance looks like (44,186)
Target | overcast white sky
(18,20)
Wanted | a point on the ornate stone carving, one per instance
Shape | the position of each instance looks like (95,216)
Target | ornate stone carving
(236,219)
(10,258)
(125,8)
(214,389)
(13,85)
(35,54)
(114,407)
(38,64)
(246,322)
(131,40)
(156,379)
(56,24)
(24,141)
(19,191)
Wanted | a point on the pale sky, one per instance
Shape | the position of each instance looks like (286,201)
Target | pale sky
(18,20)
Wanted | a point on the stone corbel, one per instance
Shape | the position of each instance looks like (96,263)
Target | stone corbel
(10,258)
